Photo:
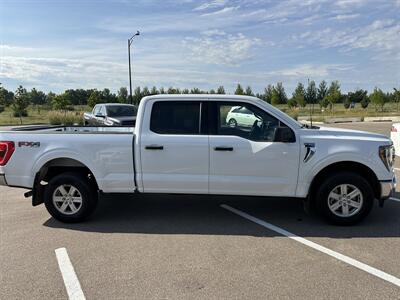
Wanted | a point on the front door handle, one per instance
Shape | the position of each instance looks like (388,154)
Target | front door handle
(223,148)
(154,147)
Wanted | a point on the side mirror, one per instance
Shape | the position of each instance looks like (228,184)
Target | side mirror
(100,116)
(284,135)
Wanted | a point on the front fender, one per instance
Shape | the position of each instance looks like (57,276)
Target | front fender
(309,170)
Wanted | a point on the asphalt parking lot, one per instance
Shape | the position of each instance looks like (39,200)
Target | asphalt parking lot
(198,247)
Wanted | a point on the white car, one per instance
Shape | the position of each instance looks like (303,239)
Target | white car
(181,144)
(395,137)
(240,116)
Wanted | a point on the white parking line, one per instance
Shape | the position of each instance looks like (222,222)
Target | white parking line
(71,282)
(394,199)
(337,255)
(397,169)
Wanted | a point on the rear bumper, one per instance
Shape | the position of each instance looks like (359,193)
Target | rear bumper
(3,180)
(387,188)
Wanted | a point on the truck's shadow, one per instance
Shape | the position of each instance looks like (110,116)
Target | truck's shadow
(171,214)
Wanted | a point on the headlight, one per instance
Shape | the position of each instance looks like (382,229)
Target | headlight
(386,153)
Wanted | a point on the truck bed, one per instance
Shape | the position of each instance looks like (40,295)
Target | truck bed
(75,129)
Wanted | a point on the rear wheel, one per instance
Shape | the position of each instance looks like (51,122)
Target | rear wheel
(232,123)
(344,198)
(69,197)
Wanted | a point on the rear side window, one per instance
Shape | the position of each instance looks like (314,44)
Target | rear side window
(175,117)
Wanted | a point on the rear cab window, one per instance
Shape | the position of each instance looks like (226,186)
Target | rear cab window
(176,117)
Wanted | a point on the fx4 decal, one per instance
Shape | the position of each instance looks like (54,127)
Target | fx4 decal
(29,144)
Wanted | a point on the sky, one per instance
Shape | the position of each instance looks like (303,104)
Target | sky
(57,45)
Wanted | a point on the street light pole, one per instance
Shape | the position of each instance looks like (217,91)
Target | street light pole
(129,59)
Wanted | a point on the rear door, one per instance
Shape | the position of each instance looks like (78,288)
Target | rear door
(245,160)
(174,148)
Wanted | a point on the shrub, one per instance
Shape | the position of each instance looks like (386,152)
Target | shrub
(1,108)
(22,113)
(65,118)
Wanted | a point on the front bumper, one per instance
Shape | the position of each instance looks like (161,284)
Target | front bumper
(3,179)
(388,188)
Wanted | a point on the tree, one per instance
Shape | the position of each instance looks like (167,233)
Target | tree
(298,97)
(162,90)
(249,92)
(364,103)
(396,97)
(378,98)
(221,90)
(49,98)
(275,100)
(36,97)
(154,91)
(195,91)
(346,101)
(311,93)
(172,90)
(268,93)
(6,97)
(212,91)
(137,95)
(145,91)
(239,90)
(321,94)
(61,102)
(334,94)
(357,96)
(20,103)
(94,98)
(107,96)
(280,90)
(122,95)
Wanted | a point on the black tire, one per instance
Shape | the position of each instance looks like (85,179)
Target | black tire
(329,184)
(232,123)
(86,191)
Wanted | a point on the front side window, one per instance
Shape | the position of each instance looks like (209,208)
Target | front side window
(247,121)
(175,117)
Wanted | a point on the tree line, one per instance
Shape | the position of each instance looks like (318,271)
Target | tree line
(325,95)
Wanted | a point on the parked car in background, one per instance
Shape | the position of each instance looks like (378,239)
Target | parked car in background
(111,114)
(395,137)
(241,116)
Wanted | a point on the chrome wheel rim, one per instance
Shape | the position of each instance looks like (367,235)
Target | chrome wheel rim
(232,123)
(345,200)
(67,199)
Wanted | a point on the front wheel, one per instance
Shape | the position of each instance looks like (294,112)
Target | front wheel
(344,198)
(69,197)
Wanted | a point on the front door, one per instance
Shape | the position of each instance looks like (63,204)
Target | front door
(174,151)
(245,160)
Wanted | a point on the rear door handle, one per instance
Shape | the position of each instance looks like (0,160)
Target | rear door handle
(223,148)
(154,147)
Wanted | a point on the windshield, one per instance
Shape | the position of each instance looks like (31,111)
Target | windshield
(121,111)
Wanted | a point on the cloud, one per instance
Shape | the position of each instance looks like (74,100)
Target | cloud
(210,4)
(221,50)
(221,11)
(345,17)
(311,70)
(381,36)
(349,3)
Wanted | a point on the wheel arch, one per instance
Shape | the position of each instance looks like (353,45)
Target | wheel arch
(55,167)
(350,166)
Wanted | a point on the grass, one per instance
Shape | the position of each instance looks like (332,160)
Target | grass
(390,109)
(43,115)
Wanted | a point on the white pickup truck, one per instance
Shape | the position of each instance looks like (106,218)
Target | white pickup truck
(186,144)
